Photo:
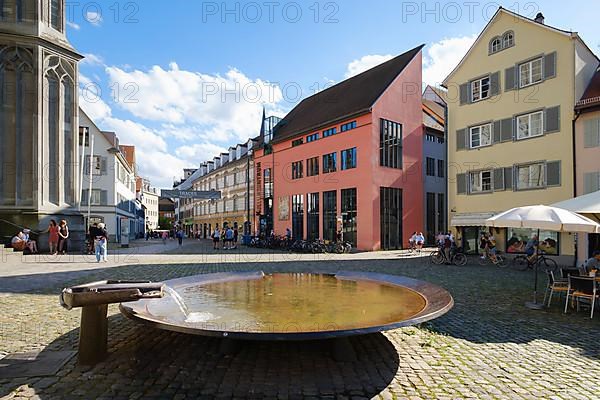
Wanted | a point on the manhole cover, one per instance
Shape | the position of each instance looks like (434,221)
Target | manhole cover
(33,364)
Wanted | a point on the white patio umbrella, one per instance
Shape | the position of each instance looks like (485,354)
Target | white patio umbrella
(546,218)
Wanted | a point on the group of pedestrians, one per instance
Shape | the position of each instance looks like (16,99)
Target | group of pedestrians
(226,237)
(58,235)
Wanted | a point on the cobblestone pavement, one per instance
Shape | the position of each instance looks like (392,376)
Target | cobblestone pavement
(488,347)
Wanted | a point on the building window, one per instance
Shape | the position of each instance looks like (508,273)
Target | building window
(481,136)
(430,166)
(297,142)
(349,126)
(298,217)
(508,39)
(530,125)
(312,222)
(55,14)
(297,171)
(268,183)
(480,89)
(349,213)
(390,144)
(84,131)
(312,166)
(430,138)
(349,159)
(312,138)
(329,132)
(68,134)
(390,218)
(481,181)
(441,168)
(329,163)
(531,176)
(440,140)
(330,215)
(530,72)
(496,45)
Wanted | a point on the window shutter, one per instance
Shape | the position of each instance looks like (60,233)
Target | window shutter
(508,178)
(550,65)
(506,130)
(104,197)
(86,165)
(553,173)
(461,183)
(495,84)
(499,179)
(592,133)
(103,165)
(461,139)
(510,81)
(497,129)
(465,96)
(552,119)
(591,182)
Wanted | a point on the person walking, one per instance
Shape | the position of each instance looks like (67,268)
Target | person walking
(180,237)
(165,236)
(63,236)
(229,238)
(216,237)
(101,242)
(53,237)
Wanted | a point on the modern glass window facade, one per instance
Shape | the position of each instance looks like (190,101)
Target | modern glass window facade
(298,216)
(390,144)
(330,215)
(329,163)
(391,218)
(312,222)
(349,214)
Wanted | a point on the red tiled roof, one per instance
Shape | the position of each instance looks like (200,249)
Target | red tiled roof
(591,96)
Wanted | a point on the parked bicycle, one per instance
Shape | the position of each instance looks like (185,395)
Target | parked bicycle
(544,263)
(497,260)
(301,246)
(457,257)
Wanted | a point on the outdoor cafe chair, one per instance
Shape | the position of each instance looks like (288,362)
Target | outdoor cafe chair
(554,285)
(565,272)
(582,270)
(582,288)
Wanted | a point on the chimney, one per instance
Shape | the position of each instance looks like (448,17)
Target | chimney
(539,18)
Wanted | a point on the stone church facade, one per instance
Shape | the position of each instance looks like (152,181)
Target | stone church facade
(39,165)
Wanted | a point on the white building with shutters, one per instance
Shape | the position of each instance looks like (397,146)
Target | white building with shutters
(113,191)
(511,103)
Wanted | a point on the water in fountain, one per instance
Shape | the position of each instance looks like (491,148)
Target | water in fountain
(178,300)
(192,317)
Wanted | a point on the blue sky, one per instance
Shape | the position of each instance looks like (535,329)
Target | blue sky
(156,74)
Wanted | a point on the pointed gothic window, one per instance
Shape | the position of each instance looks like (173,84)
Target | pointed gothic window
(55,14)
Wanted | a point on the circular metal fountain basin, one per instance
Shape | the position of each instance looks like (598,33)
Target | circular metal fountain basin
(294,306)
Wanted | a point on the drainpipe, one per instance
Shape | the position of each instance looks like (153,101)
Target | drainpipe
(574,144)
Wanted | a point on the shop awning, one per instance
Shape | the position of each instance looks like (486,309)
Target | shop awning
(471,219)
(586,204)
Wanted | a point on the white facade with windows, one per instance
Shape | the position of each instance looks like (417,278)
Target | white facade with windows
(113,196)
(149,197)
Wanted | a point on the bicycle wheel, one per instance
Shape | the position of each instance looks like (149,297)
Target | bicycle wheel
(437,258)
(550,265)
(520,263)
(501,261)
(483,261)
(460,259)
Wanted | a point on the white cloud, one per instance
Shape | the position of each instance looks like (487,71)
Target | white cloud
(224,108)
(94,17)
(441,58)
(73,25)
(200,152)
(92,59)
(365,63)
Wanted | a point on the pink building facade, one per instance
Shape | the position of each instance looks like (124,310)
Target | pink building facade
(347,161)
